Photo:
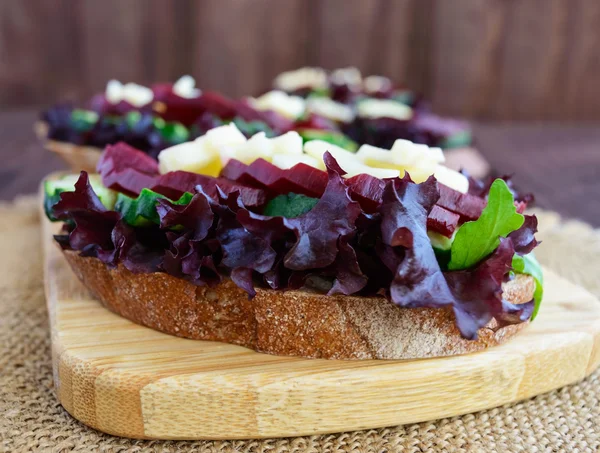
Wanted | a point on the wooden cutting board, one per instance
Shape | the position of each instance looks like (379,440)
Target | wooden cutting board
(128,380)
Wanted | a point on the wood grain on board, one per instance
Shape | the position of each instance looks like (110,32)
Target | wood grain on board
(132,381)
(488,59)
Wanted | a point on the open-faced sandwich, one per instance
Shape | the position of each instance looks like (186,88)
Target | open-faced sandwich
(370,109)
(150,119)
(340,108)
(302,249)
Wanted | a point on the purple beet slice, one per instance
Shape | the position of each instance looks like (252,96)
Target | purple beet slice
(468,206)
(175,183)
(121,156)
(367,190)
(275,121)
(442,221)
(301,178)
(176,108)
(126,169)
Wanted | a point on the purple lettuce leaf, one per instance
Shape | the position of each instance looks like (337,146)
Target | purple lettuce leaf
(349,278)
(196,216)
(190,260)
(93,223)
(524,239)
(478,293)
(406,249)
(318,230)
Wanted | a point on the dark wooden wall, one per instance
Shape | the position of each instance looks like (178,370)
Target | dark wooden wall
(490,59)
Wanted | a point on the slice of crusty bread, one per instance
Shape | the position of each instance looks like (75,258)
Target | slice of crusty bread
(294,323)
(78,158)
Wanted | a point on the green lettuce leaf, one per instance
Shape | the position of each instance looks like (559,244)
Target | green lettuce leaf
(290,206)
(477,239)
(141,211)
(529,265)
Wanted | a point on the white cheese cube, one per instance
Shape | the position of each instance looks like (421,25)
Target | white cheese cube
(377,157)
(452,178)
(347,160)
(383,108)
(376,84)
(288,143)
(315,78)
(316,149)
(346,76)
(185,87)
(225,135)
(290,107)
(286,161)
(328,108)
(136,95)
(114,91)
(356,168)
(195,157)
(257,147)
(436,154)
(407,153)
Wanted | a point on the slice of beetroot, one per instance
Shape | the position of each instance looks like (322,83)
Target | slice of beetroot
(126,169)
(277,122)
(367,190)
(100,104)
(174,107)
(301,178)
(468,206)
(314,121)
(442,221)
(175,183)
(218,104)
(128,181)
(121,156)
(260,173)
(521,206)
(234,170)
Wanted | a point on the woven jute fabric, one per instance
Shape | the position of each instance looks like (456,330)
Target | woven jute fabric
(31,419)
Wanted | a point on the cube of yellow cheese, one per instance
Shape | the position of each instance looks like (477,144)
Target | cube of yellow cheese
(285,161)
(452,178)
(225,135)
(347,160)
(288,106)
(288,143)
(195,157)
(257,147)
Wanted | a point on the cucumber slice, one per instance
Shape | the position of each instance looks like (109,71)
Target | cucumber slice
(441,247)
(333,137)
(53,188)
(439,241)
(141,211)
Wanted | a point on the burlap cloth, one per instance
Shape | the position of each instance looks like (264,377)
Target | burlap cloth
(31,419)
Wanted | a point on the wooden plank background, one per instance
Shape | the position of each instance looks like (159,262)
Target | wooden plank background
(486,59)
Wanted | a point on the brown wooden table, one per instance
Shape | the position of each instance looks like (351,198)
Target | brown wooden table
(560,164)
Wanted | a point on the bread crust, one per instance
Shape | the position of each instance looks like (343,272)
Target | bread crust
(78,157)
(291,323)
